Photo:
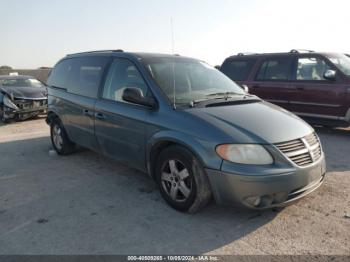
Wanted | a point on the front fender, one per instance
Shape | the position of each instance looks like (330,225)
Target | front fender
(203,150)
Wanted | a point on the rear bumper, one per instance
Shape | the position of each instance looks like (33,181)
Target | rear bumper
(266,191)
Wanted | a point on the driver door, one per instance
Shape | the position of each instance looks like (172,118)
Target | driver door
(314,95)
(120,127)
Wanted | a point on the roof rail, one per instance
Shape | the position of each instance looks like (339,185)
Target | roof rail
(97,51)
(301,51)
(246,53)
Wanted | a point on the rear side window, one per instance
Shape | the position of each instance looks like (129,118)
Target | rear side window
(238,70)
(275,69)
(80,75)
(85,76)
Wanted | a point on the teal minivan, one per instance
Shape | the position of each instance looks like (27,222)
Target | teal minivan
(192,129)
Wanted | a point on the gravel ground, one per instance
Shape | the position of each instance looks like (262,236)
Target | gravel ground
(88,204)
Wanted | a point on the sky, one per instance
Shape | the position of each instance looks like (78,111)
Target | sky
(39,32)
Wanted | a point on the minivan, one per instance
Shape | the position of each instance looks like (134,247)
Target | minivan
(187,125)
(315,86)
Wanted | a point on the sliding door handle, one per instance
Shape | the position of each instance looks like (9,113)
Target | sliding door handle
(100,116)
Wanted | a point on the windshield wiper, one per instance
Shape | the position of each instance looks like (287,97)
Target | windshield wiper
(193,103)
(223,94)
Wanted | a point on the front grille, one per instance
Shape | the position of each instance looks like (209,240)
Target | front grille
(30,104)
(302,151)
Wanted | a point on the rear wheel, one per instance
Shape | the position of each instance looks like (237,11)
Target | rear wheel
(182,180)
(59,138)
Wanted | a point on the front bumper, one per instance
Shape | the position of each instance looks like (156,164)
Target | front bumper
(24,113)
(266,191)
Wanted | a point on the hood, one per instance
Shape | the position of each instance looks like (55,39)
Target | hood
(25,92)
(259,122)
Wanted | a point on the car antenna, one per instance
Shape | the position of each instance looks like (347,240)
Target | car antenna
(173,67)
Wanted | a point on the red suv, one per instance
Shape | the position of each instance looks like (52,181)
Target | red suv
(315,86)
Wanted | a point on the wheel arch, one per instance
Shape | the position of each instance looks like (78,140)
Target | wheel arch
(347,116)
(162,140)
(51,115)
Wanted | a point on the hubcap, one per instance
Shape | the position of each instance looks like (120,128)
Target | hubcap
(57,137)
(176,180)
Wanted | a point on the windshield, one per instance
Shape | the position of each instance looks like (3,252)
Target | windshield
(342,62)
(193,80)
(21,82)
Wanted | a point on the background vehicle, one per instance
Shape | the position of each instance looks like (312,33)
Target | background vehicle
(187,125)
(21,97)
(315,86)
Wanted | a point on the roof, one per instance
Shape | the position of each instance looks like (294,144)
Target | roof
(292,52)
(119,51)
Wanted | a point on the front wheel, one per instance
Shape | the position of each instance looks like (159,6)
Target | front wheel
(3,116)
(59,138)
(182,180)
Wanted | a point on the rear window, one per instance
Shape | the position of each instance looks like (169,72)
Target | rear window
(81,76)
(238,70)
(275,69)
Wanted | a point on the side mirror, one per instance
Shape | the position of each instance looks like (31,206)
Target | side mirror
(245,88)
(329,75)
(134,95)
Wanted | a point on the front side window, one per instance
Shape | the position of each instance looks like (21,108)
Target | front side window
(185,80)
(238,70)
(278,69)
(311,69)
(122,74)
(342,62)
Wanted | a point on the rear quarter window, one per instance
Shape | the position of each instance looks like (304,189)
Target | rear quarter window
(238,70)
(81,75)
(60,73)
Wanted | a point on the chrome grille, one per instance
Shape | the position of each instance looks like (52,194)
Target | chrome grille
(302,151)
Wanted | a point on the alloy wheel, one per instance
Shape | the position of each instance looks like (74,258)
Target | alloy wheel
(176,180)
(57,137)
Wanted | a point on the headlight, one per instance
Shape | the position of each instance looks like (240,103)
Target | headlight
(250,154)
(7,102)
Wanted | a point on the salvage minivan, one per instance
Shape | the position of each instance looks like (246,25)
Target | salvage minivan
(191,128)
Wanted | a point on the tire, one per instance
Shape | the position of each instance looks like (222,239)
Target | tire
(59,138)
(2,116)
(182,180)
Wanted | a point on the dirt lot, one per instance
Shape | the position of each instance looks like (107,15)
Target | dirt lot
(87,204)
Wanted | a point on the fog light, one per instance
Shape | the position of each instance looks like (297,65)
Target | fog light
(266,200)
(254,200)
